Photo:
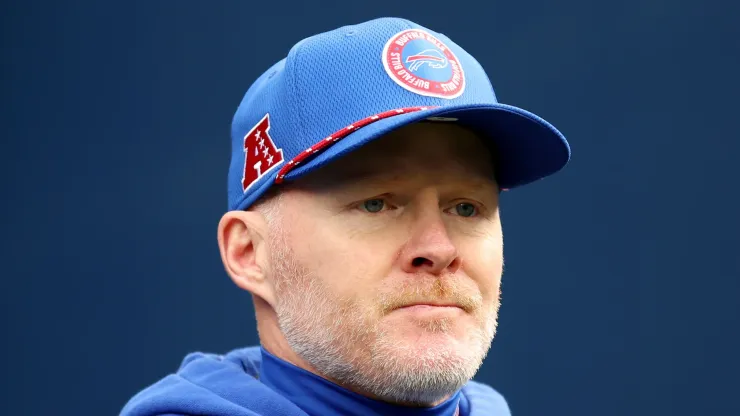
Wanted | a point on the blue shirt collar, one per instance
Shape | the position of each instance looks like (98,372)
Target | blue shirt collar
(318,396)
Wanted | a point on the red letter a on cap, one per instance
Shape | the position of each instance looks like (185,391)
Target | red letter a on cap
(260,154)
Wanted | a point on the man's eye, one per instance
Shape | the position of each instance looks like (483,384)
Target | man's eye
(465,209)
(373,205)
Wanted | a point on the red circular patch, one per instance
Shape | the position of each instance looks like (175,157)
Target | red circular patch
(422,64)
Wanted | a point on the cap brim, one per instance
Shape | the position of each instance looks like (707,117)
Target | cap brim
(526,147)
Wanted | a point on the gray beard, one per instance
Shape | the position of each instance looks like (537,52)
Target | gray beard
(353,352)
(356,354)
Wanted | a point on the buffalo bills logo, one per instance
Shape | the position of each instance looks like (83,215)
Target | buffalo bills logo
(421,63)
(431,57)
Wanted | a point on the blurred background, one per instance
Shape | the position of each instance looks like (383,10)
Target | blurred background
(621,290)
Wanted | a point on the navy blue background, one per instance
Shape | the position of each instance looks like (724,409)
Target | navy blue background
(621,289)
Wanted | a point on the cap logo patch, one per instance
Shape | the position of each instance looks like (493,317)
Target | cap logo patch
(422,64)
(261,156)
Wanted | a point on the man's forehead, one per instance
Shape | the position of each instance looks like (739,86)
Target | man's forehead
(422,149)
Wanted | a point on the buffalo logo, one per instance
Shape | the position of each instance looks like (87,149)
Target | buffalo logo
(431,57)
(421,63)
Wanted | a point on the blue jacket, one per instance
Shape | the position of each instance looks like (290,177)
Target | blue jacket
(253,382)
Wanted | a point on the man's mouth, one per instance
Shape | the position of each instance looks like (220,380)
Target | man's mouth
(430,308)
(432,305)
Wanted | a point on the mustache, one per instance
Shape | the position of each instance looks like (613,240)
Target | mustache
(438,291)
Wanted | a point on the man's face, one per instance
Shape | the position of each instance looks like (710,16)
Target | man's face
(410,219)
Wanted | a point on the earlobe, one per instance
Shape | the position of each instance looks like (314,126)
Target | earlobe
(241,242)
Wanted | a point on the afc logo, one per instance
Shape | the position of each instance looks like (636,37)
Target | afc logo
(261,156)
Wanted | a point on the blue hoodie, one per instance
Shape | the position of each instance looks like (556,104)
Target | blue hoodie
(253,382)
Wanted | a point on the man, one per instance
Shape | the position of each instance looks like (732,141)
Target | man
(363,218)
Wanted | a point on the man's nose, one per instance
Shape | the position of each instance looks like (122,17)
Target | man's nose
(430,248)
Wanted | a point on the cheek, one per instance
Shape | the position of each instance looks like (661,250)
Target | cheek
(350,264)
(483,262)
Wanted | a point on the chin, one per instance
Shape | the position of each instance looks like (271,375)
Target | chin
(417,348)
(428,350)
(454,345)
(422,371)
(431,332)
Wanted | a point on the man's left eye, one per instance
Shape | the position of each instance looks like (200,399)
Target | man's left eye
(465,209)
(373,205)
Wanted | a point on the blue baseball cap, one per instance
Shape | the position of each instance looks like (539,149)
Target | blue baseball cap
(339,90)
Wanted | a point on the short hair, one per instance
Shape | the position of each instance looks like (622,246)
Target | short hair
(268,204)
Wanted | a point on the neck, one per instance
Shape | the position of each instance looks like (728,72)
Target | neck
(272,339)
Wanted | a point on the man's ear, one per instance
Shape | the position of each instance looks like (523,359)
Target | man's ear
(242,241)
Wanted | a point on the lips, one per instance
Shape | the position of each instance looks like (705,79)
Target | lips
(432,304)
(426,311)
(421,307)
